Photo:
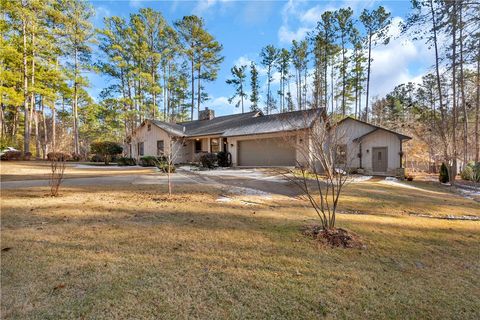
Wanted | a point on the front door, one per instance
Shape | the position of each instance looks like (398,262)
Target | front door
(380,160)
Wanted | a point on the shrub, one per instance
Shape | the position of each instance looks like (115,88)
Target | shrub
(443,176)
(148,161)
(27,156)
(476,173)
(75,157)
(12,155)
(126,161)
(224,159)
(467,173)
(409,177)
(97,158)
(209,160)
(58,156)
(471,172)
(163,166)
(107,149)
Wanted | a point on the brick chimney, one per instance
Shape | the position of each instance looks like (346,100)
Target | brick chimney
(206,114)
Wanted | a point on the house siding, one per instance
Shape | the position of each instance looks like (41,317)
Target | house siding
(150,138)
(351,129)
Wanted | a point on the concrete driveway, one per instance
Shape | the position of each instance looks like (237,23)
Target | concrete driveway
(253,180)
(269,181)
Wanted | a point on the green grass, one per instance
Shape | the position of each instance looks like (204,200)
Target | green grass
(134,253)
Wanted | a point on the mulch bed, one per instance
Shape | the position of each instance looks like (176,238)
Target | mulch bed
(336,237)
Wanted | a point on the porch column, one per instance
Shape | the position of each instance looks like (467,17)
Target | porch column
(360,154)
(401,154)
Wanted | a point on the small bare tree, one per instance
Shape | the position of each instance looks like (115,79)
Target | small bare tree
(57,166)
(324,170)
(170,156)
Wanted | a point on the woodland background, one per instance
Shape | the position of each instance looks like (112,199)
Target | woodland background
(159,69)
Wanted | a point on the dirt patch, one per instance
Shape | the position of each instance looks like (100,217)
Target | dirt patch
(336,237)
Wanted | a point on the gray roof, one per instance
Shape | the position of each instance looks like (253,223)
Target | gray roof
(243,124)
(171,128)
(287,121)
(375,128)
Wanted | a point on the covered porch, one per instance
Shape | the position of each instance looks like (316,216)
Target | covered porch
(197,146)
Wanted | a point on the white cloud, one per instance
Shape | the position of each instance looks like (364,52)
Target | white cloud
(205,6)
(102,12)
(286,35)
(305,18)
(243,60)
(393,64)
(135,3)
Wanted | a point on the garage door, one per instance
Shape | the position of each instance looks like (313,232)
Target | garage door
(266,152)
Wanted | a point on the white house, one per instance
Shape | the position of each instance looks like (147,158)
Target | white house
(257,140)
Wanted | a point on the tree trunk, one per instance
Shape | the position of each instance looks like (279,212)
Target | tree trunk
(75,105)
(45,132)
(26,133)
(199,93)
(193,89)
(54,127)
(305,88)
(37,136)
(367,94)
(477,110)
(462,89)
(344,67)
(32,94)
(453,171)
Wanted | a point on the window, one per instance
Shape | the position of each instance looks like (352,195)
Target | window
(379,155)
(198,146)
(341,154)
(149,127)
(140,148)
(160,147)
(214,145)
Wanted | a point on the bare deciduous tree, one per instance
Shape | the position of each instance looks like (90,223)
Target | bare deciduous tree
(57,166)
(324,169)
(170,155)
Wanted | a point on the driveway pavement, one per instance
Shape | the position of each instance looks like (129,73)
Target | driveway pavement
(267,181)
(254,179)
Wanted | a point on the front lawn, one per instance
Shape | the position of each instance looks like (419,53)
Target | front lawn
(131,252)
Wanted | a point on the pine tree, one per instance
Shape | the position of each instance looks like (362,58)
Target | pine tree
(283,64)
(299,54)
(255,87)
(269,55)
(376,23)
(238,80)
(79,35)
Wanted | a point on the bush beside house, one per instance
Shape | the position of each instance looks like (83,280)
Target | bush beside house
(443,176)
(106,149)
(471,172)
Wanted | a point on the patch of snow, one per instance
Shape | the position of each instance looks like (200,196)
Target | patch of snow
(469,193)
(224,199)
(112,167)
(391,181)
(359,178)
(189,168)
(250,192)
(448,217)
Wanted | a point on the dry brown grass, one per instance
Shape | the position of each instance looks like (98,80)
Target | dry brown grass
(132,252)
(40,170)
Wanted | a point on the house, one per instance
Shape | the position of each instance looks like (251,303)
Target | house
(257,140)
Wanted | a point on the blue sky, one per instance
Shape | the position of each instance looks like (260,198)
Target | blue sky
(244,27)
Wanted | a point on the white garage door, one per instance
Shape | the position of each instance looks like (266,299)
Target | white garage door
(266,152)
